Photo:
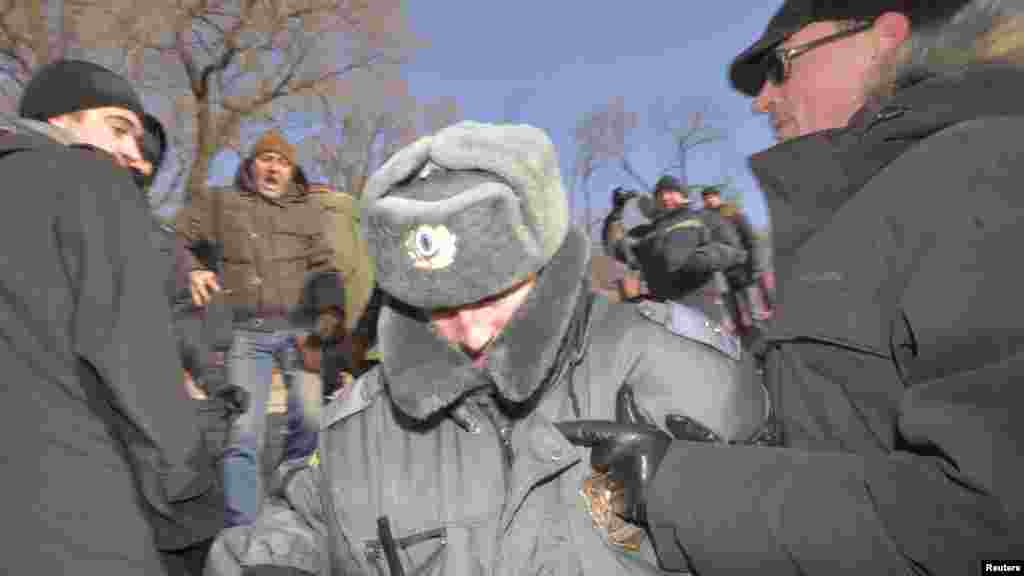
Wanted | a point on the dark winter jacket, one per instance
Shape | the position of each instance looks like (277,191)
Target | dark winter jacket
(679,252)
(465,462)
(736,227)
(104,461)
(896,360)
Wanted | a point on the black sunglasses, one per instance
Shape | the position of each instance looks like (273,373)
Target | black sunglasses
(779,62)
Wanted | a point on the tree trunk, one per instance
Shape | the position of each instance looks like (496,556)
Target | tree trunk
(40,32)
(587,214)
(206,147)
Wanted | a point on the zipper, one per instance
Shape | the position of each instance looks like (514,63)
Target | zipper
(831,342)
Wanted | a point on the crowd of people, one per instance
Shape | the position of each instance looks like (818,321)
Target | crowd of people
(848,407)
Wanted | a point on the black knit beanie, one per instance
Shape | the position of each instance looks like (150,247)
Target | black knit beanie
(68,86)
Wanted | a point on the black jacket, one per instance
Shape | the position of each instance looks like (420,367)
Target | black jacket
(896,360)
(736,227)
(678,252)
(104,461)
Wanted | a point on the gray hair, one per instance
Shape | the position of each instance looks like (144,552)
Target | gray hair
(981,31)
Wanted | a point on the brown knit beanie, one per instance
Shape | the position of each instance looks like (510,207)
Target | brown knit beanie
(274,141)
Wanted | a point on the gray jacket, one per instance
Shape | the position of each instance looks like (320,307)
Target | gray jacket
(466,464)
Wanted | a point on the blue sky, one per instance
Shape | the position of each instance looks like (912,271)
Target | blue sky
(562,58)
(551,61)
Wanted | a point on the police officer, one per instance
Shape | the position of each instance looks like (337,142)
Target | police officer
(680,254)
(443,459)
(745,280)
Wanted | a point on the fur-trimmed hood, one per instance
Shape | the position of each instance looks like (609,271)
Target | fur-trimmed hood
(424,374)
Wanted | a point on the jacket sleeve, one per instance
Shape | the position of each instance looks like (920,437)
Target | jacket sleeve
(788,511)
(615,239)
(123,339)
(324,285)
(676,371)
(192,226)
(690,250)
(748,236)
(947,496)
(288,538)
(322,256)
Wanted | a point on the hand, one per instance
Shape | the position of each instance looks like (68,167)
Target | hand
(620,196)
(310,348)
(201,283)
(630,286)
(629,450)
(329,325)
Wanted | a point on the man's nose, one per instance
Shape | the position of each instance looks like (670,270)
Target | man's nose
(763,101)
(131,152)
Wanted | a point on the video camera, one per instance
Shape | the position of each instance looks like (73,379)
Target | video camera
(620,196)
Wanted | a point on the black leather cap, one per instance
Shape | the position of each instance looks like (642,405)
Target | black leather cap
(747,72)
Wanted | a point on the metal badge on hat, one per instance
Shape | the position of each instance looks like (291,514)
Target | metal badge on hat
(431,247)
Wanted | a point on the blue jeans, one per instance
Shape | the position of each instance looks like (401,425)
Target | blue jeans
(253,356)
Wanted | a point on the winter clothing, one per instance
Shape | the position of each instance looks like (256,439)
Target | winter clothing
(465,214)
(351,254)
(453,454)
(274,141)
(895,358)
(280,275)
(458,454)
(68,86)
(115,465)
(747,72)
(271,249)
(681,254)
(668,182)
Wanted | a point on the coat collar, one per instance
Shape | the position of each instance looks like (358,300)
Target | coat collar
(36,129)
(425,375)
(806,180)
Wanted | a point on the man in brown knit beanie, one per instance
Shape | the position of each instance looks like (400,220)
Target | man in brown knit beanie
(280,282)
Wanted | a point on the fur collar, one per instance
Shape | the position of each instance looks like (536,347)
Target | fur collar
(425,375)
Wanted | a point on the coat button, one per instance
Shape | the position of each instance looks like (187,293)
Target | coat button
(255,281)
(253,235)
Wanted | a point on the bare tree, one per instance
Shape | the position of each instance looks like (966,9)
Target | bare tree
(374,121)
(439,113)
(686,130)
(601,138)
(206,67)
(236,61)
(34,33)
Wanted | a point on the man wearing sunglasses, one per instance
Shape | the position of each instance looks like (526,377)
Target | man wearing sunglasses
(896,357)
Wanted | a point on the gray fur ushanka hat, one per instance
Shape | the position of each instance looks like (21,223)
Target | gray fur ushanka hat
(465,214)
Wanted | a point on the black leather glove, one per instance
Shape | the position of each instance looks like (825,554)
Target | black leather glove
(235,399)
(630,449)
(620,196)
